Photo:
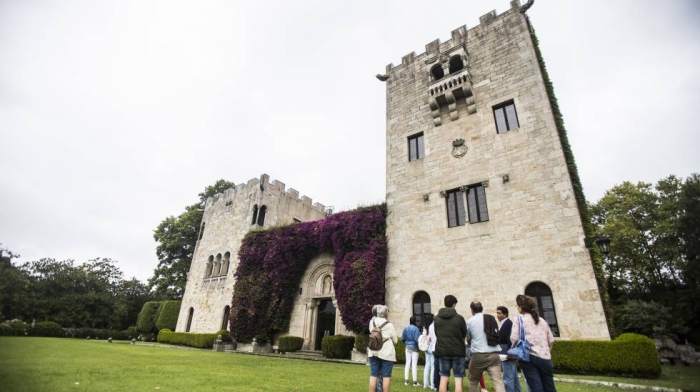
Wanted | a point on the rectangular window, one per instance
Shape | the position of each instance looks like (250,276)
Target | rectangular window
(476,200)
(416,149)
(455,208)
(506,117)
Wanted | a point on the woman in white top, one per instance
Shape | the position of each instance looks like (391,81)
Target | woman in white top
(381,362)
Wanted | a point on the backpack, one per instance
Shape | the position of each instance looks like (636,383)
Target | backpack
(423,342)
(375,341)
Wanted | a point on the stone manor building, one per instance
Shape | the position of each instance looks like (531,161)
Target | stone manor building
(480,197)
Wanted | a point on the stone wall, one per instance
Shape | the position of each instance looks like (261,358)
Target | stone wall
(534,231)
(227,218)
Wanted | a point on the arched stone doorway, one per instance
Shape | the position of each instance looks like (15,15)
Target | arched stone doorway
(316,313)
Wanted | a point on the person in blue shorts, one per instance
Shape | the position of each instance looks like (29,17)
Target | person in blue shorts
(451,332)
(381,362)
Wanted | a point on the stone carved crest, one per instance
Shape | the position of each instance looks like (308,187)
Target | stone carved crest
(459,149)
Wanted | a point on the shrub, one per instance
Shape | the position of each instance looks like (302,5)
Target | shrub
(361,342)
(200,340)
(146,322)
(290,343)
(629,355)
(47,328)
(224,336)
(167,315)
(337,346)
(13,328)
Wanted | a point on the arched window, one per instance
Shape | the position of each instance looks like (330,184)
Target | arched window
(456,64)
(189,320)
(261,215)
(545,304)
(216,271)
(227,262)
(224,322)
(437,72)
(421,306)
(210,265)
(201,231)
(255,214)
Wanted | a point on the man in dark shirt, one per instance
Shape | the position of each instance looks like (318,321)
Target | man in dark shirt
(451,332)
(510,368)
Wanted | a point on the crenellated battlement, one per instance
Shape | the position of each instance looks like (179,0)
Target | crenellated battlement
(458,39)
(257,185)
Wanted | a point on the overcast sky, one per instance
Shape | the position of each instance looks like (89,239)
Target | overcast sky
(116,114)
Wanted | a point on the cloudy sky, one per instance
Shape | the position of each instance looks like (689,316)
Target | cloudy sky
(116,114)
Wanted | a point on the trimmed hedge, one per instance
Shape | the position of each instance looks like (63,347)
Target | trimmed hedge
(199,340)
(290,343)
(146,322)
(225,337)
(337,346)
(168,314)
(94,333)
(361,341)
(47,328)
(628,355)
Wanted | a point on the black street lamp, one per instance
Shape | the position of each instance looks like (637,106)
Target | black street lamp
(602,241)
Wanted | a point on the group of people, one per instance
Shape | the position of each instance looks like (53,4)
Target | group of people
(482,341)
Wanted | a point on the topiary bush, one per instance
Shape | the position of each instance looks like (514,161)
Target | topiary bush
(47,328)
(628,355)
(146,322)
(290,343)
(337,346)
(199,340)
(168,314)
(224,336)
(361,341)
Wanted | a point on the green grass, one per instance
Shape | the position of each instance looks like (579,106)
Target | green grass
(53,364)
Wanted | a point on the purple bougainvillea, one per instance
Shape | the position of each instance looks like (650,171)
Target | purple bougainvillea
(273,261)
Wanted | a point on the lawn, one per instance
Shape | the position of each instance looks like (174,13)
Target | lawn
(52,364)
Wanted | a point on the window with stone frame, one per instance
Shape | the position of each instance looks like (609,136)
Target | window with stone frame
(506,117)
(455,208)
(542,295)
(416,147)
(476,202)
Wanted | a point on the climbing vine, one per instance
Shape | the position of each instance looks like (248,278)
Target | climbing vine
(575,180)
(272,263)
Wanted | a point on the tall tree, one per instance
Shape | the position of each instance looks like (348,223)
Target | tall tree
(689,236)
(176,238)
(652,231)
(14,287)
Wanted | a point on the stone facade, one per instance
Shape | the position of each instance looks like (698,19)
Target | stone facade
(532,236)
(227,218)
(443,147)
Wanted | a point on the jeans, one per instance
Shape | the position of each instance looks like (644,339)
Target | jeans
(539,374)
(428,371)
(510,376)
(436,371)
(411,363)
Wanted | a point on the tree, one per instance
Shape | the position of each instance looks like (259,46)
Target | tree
(177,238)
(689,238)
(14,287)
(653,263)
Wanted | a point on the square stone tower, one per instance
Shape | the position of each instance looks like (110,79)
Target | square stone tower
(480,197)
(228,216)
